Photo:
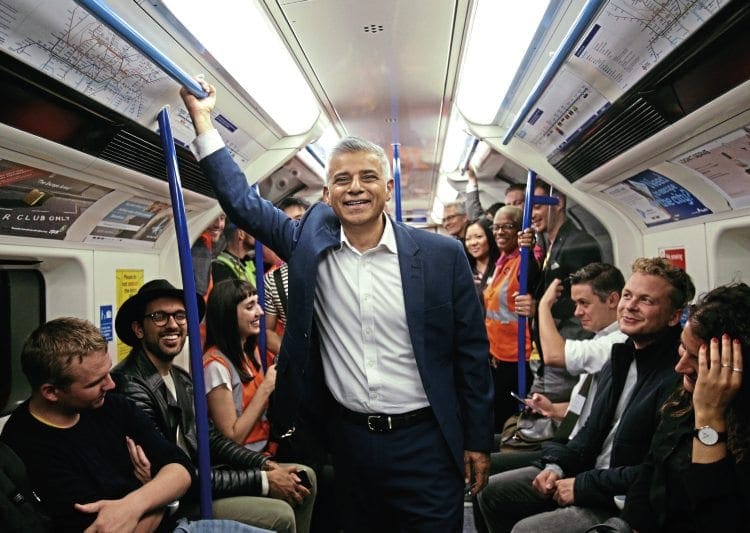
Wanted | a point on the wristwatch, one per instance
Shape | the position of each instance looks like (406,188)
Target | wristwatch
(709,436)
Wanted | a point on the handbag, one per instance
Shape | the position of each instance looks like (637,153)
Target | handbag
(526,431)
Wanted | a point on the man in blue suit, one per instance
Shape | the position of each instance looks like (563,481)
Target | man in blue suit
(385,342)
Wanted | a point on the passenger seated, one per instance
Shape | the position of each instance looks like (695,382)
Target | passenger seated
(575,482)
(237,391)
(696,476)
(246,486)
(94,459)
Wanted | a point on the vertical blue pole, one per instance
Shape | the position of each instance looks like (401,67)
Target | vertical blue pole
(261,298)
(188,284)
(397,180)
(523,281)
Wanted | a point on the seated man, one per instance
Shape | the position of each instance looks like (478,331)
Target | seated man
(595,291)
(72,436)
(153,322)
(575,483)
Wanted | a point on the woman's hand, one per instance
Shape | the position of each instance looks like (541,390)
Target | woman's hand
(526,238)
(718,383)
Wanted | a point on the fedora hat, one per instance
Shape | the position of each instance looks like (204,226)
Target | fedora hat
(133,308)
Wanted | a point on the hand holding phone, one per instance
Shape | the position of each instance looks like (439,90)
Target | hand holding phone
(304,479)
(517,397)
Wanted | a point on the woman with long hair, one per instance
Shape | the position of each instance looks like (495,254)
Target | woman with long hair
(483,252)
(697,473)
(237,392)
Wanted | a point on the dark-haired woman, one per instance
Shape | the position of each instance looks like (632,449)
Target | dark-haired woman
(237,392)
(483,252)
(697,474)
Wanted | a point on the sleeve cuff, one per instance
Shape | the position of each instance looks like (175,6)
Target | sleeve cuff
(264,483)
(206,144)
(556,469)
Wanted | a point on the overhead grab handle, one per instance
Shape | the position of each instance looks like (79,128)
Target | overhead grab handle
(104,13)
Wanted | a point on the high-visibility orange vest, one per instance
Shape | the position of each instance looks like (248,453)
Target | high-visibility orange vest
(501,319)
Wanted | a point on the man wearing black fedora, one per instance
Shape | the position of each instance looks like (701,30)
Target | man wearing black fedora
(154,323)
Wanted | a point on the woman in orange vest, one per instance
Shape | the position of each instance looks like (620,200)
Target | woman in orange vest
(501,319)
(237,392)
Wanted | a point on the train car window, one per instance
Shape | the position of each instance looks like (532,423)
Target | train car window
(21,311)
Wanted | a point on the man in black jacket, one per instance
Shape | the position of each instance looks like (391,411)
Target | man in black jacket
(153,322)
(575,483)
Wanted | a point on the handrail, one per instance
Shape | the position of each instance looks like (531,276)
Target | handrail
(397,180)
(260,288)
(472,150)
(104,13)
(579,26)
(523,279)
(191,305)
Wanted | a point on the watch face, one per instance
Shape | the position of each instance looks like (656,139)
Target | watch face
(708,436)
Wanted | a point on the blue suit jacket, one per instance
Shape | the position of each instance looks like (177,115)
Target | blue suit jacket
(444,316)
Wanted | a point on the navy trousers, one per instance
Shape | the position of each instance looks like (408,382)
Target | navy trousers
(396,481)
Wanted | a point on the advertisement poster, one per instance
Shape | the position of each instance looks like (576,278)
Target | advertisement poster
(39,203)
(137,219)
(725,162)
(657,199)
(127,283)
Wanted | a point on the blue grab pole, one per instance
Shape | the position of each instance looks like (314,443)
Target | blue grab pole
(397,180)
(188,284)
(104,13)
(260,288)
(523,281)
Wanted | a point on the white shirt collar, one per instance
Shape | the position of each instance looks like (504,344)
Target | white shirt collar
(387,240)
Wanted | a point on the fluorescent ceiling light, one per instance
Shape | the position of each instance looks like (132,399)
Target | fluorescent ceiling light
(457,144)
(500,35)
(444,194)
(241,38)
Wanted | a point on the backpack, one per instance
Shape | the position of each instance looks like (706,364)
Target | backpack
(19,506)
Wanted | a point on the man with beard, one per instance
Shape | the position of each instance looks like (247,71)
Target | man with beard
(154,323)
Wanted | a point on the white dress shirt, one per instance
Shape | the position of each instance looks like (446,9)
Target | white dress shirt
(367,355)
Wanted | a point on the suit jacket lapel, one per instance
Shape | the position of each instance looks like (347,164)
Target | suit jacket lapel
(412,282)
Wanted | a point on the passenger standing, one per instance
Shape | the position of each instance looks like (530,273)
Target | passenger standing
(203,251)
(276,283)
(515,195)
(501,319)
(384,344)
(234,262)
(455,219)
(483,253)
(246,486)
(696,477)
(568,249)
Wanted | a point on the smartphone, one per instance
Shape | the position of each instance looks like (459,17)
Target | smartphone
(517,397)
(304,480)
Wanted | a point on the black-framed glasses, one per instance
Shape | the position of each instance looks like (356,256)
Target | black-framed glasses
(503,227)
(160,318)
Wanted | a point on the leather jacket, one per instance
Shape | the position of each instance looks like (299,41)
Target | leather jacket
(235,470)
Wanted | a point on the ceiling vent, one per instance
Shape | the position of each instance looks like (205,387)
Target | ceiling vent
(373,28)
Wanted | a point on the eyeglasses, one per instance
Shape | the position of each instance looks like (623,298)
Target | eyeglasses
(503,227)
(161,318)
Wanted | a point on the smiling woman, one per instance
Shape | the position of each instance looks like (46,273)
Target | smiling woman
(237,391)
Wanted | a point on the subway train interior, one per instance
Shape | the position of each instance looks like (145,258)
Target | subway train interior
(638,111)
